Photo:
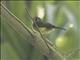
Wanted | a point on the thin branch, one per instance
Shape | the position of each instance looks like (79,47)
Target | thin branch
(29,13)
(73,52)
(37,28)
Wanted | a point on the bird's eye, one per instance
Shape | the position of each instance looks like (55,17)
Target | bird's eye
(36,19)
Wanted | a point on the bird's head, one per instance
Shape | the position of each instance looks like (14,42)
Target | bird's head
(36,19)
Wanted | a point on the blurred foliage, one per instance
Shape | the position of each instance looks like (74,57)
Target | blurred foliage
(60,13)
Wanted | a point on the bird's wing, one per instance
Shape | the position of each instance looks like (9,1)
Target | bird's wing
(48,25)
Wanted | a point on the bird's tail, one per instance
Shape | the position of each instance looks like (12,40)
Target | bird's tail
(60,28)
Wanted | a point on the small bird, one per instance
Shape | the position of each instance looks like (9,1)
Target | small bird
(44,27)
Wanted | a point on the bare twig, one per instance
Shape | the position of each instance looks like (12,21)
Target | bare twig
(73,52)
(37,28)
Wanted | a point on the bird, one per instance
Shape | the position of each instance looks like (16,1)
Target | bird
(39,26)
(44,27)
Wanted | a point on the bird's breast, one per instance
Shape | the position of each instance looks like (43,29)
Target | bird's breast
(45,30)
